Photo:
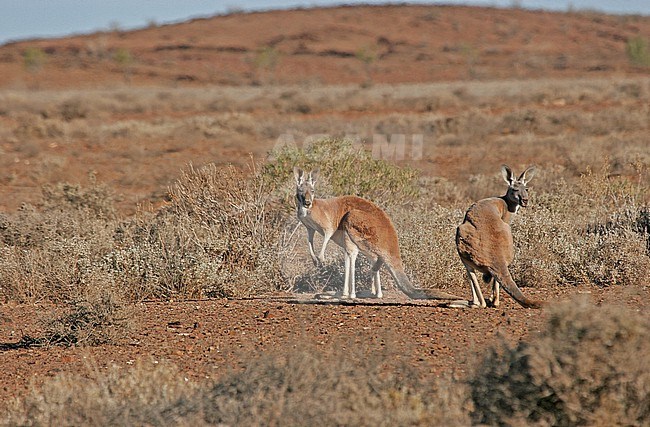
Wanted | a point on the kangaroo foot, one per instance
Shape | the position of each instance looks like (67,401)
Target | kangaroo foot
(491,303)
(462,304)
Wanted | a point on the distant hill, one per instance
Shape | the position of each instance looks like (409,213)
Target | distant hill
(380,44)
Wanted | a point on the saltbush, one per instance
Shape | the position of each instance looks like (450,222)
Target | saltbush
(346,168)
(587,367)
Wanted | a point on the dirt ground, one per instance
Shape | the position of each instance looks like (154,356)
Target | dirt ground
(383,44)
(211,337)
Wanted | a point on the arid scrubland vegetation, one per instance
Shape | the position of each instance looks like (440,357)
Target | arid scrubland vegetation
(577,371)
(218,224)
(231,231)
(113,199)
(62,136)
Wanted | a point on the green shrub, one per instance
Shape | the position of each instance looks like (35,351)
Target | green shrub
(345,169)
(34,58)
(637,51)
(587,367)
(124,59)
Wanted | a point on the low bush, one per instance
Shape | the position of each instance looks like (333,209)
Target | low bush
(427,237)
(96,199)
(355,386)
(218,236)
(591,232)
(638,51)
(587,367)
(99,317)
(149,393)
(278,388)
(53,251)
(346,168)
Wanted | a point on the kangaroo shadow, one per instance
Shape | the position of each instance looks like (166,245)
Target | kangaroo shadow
(25,342)
(330,278)
(327,278)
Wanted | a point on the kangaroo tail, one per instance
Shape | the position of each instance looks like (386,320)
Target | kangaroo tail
(509,285)
(405,285)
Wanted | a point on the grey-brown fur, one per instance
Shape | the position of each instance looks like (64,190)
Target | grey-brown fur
(485,244)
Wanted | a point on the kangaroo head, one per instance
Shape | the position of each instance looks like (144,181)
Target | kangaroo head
(517,194)
(305,183)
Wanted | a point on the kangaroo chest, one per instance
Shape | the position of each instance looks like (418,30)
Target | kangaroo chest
(308,220)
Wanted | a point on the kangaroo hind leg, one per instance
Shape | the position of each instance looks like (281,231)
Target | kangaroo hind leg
(477,296)
(349,286)
(492,282)
(376,279)
(494,299)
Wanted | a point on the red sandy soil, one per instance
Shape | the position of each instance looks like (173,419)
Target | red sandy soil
(401,43)
(206,339)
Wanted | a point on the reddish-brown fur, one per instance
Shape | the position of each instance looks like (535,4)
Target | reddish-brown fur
(356,225)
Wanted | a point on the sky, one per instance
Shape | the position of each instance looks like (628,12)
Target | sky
(25,19)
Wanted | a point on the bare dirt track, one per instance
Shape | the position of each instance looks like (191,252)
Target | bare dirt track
(206,339)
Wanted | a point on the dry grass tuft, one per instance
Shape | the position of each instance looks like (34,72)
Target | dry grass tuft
(428,247)
(146,394)
(99,317)
(586,232)
(361,385)
(217,237)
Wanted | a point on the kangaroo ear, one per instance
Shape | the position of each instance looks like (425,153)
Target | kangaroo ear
(313,175)
(297,174)
(506,172)
(527,175)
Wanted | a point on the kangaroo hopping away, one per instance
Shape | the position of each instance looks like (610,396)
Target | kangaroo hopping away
(485,245)
(356,225)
